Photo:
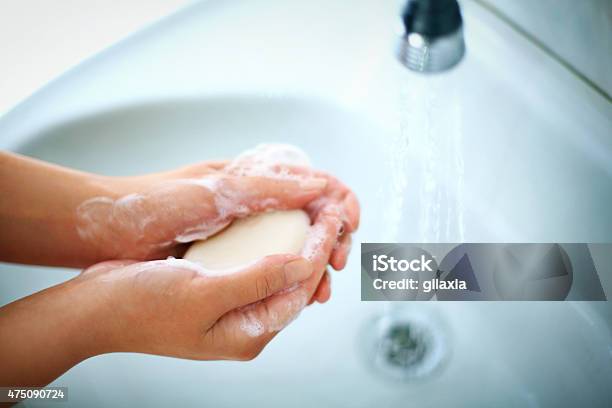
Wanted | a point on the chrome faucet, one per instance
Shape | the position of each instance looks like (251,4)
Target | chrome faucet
(432,40)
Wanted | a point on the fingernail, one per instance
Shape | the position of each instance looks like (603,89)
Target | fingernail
(298,270)
(313,184)
(341,230)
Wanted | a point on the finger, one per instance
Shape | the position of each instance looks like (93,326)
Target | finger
(335,191)
(263,279)
(338,192)
(348,211)
(274,313)
(217,164)
(322,236)
(107,266)
(258,194)
(313,297)
(274,170)
(323,292)
(242,333)
(340,253)
(320,242)
(198,169)
(351,212)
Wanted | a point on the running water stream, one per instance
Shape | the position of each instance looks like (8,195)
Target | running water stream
(430,122)
(427,173)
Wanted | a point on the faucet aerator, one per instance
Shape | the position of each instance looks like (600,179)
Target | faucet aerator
(433,36)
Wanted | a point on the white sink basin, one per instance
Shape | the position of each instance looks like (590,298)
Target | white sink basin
(220,77)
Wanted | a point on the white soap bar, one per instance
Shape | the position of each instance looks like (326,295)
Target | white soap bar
(249,239)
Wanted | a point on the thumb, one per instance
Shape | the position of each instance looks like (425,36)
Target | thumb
(263,279)
(106,266)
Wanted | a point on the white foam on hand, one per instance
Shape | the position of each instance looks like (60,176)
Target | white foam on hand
(282,309)
(172,212)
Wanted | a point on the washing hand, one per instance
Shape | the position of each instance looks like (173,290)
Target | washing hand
(166,307)
(63,217)
(154,216)
(69,218)
(57,216)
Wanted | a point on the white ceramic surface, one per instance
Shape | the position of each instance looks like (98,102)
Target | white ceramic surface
(579,31)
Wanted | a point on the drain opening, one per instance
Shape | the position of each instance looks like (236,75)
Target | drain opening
(406,346)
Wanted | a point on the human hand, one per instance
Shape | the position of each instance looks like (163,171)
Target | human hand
(335,216)
(138,306)
(334,213)
(169,307)
(176,308)
(58,216)
(154,216)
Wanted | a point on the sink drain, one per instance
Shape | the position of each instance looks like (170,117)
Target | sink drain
(406,345)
